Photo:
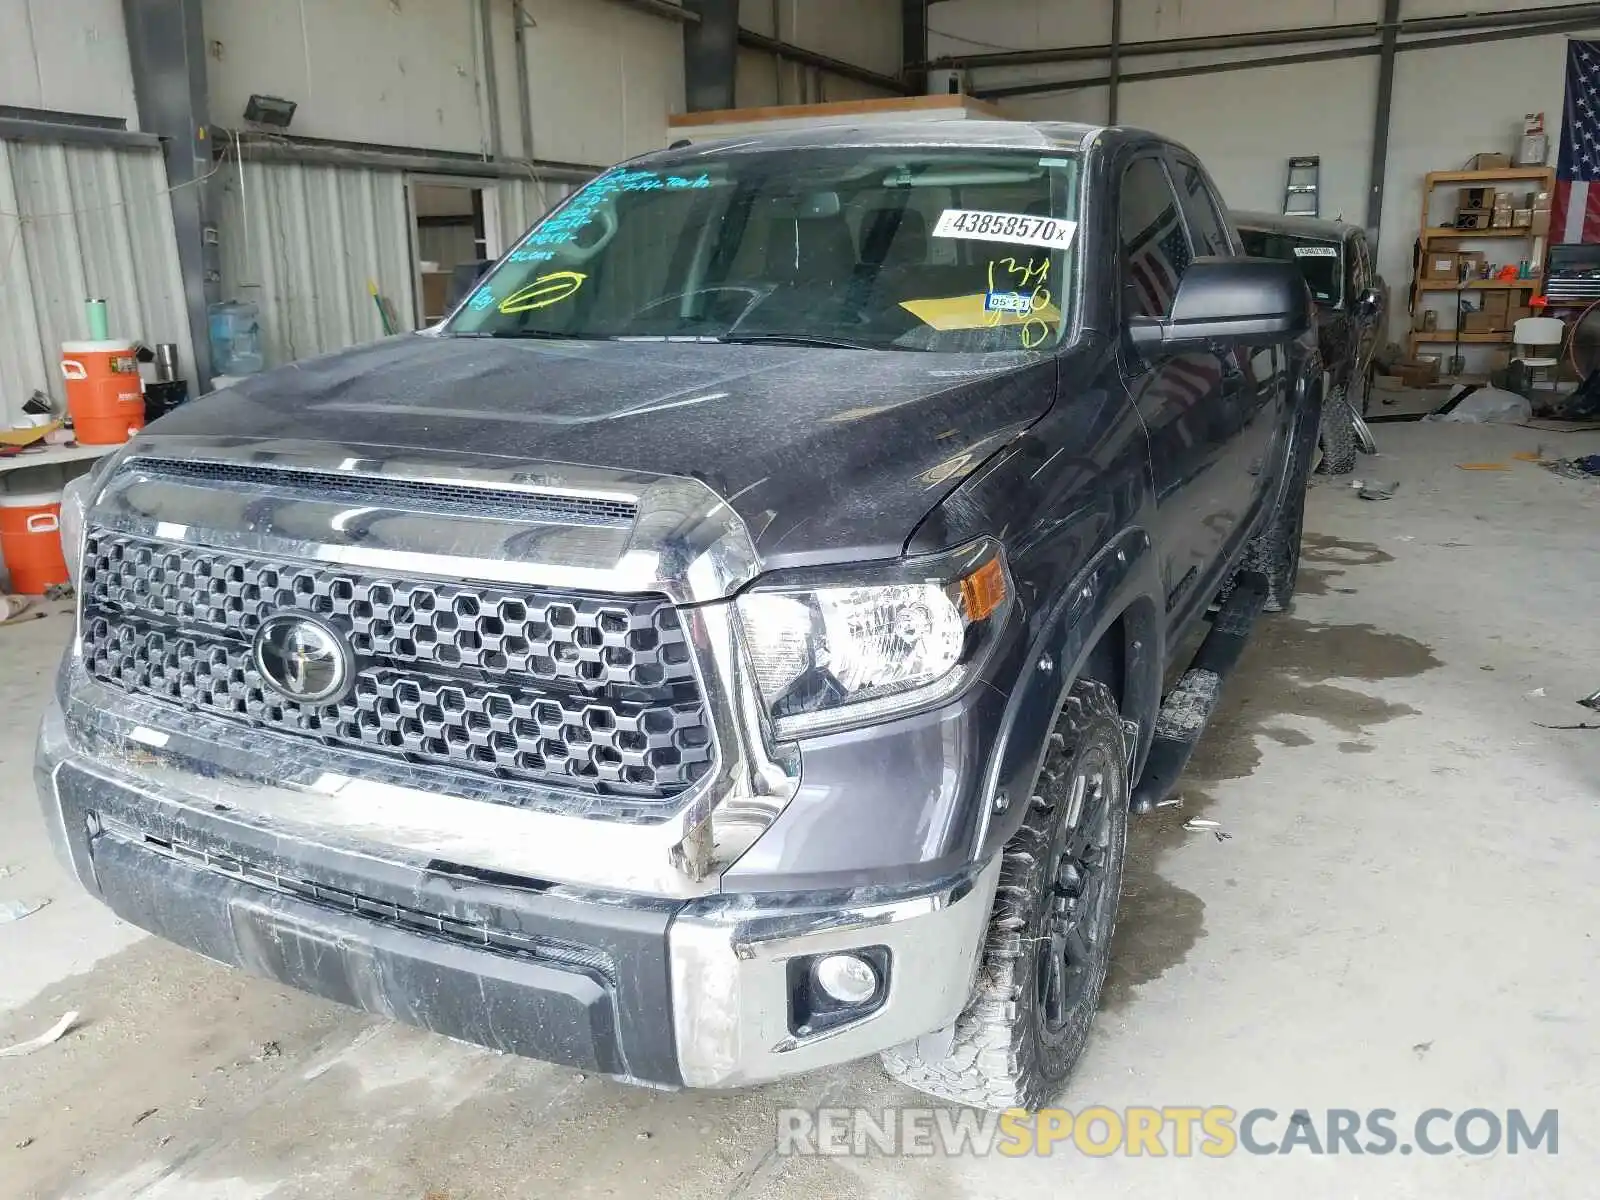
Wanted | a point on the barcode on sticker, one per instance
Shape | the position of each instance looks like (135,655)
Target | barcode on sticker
(1016,228)
(1316,252)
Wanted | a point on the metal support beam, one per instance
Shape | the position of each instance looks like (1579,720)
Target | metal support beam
(73,134)
(519,15)
(167,53)
(1272,37)
(1115,76)
(277,147)
(1285,60)
(491,81)
(810,58)
(710,54)
(683,13)
(1380,120)
(914,44)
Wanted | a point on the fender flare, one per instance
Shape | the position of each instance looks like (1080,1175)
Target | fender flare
(1122,581)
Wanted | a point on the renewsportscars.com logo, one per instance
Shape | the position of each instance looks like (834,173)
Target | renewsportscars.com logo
(1168,1131)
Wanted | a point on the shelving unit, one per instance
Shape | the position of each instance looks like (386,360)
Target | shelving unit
(1534,179)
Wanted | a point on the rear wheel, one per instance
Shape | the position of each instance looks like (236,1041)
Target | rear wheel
(1049,938)
(1338,433)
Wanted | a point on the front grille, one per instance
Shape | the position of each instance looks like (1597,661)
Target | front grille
(478,934)
(533,687)
(414,495)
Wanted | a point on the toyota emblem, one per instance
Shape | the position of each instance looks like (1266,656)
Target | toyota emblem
(303,659)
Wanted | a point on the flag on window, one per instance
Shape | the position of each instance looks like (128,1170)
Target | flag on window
(1575,208)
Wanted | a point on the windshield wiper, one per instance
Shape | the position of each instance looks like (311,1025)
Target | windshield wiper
(801,339)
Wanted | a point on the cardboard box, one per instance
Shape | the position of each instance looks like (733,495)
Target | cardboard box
(1472,218)
(1500,218)
(1521,218)
(1517,312)
(1540,202)
(1480,322)
(1442,265)
(1490,162)
(1418,372)
(1496,301)
(1539,222)
(1477,197)
(1425,321)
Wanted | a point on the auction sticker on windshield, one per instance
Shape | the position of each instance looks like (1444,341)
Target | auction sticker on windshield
(1015,228)
(1316,252)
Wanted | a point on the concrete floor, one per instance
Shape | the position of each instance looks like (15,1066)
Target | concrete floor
(1403,918)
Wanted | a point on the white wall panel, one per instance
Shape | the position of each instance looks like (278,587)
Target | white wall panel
(302,243)
(603,78)
(71,56)
(79,222)
(399,72)
(864,32)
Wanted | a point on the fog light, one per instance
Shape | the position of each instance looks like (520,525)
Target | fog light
(847,979)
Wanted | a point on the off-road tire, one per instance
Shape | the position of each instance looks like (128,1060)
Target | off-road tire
(1004,1054)
(1338,433)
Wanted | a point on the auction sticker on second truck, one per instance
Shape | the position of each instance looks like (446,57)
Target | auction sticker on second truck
(1016,228)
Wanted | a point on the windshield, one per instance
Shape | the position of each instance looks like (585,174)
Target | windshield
(1318,259)
(879,249)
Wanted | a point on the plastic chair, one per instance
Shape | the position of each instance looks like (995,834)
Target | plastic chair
(1538,346)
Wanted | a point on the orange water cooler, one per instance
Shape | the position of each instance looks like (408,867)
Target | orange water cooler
(30,541)
(104,394)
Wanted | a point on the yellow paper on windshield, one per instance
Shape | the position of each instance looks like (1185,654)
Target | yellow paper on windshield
(946,313)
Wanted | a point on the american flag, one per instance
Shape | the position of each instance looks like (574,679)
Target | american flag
(1575,208)
(1157,259)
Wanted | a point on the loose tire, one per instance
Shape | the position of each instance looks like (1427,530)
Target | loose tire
(1049,940)
(1338,433)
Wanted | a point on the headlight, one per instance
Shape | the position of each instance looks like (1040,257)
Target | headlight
(827,657)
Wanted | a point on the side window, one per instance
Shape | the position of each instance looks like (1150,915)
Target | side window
(1200,207)
(1155,248)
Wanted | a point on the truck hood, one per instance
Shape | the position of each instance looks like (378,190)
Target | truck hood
(827,455)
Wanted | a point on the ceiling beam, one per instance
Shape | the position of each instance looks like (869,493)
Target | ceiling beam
(1269,37)
(1047,87)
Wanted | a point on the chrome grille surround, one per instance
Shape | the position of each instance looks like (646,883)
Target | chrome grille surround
(685,545)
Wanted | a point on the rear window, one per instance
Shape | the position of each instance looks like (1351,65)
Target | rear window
(1318,259)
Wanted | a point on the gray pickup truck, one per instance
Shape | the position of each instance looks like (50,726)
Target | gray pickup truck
(733,643)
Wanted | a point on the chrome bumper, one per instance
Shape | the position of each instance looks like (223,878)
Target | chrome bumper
(699,995)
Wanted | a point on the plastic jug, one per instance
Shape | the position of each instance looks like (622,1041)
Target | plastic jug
(235,332)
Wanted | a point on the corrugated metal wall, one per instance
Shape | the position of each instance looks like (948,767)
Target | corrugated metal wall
(79,222)
(302,242)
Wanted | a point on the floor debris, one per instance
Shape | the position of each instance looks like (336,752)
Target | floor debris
(15,910)
(1484,466)
(1587,467)
(144,1116)
(1379,491)
(54,1034)
(1201,824)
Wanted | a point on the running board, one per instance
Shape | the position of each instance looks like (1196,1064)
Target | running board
(1189,706)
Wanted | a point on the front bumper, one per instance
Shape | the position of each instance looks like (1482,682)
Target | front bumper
(665,992)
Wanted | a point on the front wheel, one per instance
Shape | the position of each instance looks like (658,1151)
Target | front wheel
(1049,939)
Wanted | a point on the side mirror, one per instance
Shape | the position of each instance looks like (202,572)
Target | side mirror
(1248,300)
(1369,303)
